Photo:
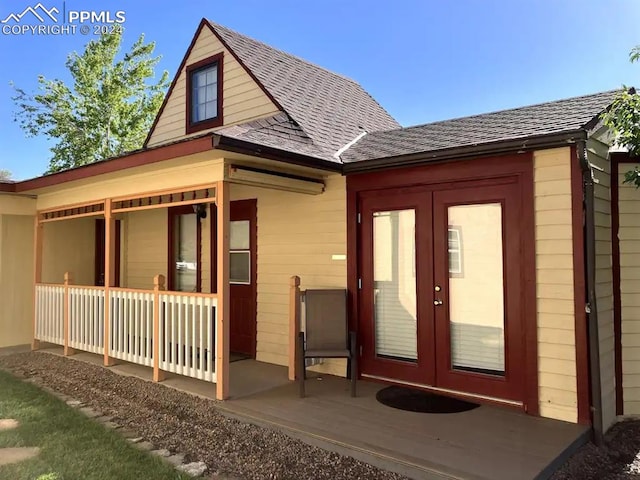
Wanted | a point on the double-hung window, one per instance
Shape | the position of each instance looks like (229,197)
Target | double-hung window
(204,94)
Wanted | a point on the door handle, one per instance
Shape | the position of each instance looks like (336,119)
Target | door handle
(437,302)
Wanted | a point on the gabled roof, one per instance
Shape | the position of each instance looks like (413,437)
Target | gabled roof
(331,110)
(545,119)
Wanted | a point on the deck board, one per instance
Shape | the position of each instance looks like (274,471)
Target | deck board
(485,443)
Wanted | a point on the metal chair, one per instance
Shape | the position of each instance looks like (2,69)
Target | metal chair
(326,333)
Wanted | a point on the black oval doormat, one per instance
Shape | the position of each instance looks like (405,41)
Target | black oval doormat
(424,402)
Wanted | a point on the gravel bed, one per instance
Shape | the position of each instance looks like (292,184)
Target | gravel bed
(183,423)
(613,461)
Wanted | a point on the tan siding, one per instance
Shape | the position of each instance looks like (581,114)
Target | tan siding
(146,234)
(187,171)
(16,279)
(69,246)
(597,153)
(243,99)
(17,205)
(629,234)
(554,279)
(297,235)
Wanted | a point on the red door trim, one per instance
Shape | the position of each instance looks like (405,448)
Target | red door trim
(517,166)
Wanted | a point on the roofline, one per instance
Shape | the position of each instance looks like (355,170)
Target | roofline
(234,145)
(173,82)
(8,187)
(133,159)
(536,142)
(204,22)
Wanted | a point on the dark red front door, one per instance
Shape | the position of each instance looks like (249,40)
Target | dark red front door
(440,300)
(100,253)
(242,277)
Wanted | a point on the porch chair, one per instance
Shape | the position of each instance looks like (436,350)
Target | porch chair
(326,333)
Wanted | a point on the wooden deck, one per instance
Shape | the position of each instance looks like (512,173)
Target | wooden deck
(488,443)
(485,443)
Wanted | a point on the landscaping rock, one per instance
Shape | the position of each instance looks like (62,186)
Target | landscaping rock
(176,459)
(195,469)
(135,439)
(90,412)
(74,403)
(111,425)
(163,452)
(144,446)
(179,422)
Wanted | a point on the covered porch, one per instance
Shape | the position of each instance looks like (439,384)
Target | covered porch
(118,277)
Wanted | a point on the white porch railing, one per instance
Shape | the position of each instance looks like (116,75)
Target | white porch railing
(181,326)
(187,331)
(131,325)
(86,318)
(50,313)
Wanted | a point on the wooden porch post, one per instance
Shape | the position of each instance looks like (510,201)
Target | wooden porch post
(294,324)
(67,314)
(37,274)
(109,273)
(158,286)
(222,314)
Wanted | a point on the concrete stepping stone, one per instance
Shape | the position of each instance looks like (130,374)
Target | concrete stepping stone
(15,455)
(163,452)
(8,424)
(176,459)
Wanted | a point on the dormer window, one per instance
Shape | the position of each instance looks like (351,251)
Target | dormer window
(204,94)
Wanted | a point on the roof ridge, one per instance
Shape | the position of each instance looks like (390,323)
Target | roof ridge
(513,109)
(291,55)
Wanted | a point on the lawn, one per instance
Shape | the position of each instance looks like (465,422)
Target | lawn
(72,446)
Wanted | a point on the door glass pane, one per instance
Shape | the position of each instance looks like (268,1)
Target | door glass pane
(394,275)
(476,288)
(240,267)
(239,235)
(185,253)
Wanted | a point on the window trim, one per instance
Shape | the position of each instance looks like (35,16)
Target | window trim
(192,127)
(173,214)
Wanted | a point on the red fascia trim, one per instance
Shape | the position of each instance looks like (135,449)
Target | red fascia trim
(136,159)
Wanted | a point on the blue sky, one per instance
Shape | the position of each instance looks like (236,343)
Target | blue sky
(422,60)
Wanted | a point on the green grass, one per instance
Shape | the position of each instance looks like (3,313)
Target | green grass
(72,446)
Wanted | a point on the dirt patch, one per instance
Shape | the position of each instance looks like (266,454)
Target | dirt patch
(615,460)
(180,422)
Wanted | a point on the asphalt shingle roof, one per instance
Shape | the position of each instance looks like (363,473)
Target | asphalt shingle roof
(330,109)
(543,119)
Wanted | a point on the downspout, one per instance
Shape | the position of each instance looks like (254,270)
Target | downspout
(591,307)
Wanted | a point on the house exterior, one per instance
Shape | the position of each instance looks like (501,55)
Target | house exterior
(493,257)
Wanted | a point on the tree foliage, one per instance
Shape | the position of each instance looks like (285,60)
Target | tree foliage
(107,111)
(5,175)
(623,118)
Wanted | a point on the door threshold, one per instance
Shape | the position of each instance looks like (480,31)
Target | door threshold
(486,398)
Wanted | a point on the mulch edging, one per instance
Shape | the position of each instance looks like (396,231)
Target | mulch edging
(167,420)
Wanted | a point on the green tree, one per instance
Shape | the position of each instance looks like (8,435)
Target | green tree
(108,109)
(5,175)
(623,118)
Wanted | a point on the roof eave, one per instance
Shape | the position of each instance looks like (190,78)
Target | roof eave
(234,145)
(523,144)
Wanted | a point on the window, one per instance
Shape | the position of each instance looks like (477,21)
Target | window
(184,249)
(455,251)
(240,253)
(204,94)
